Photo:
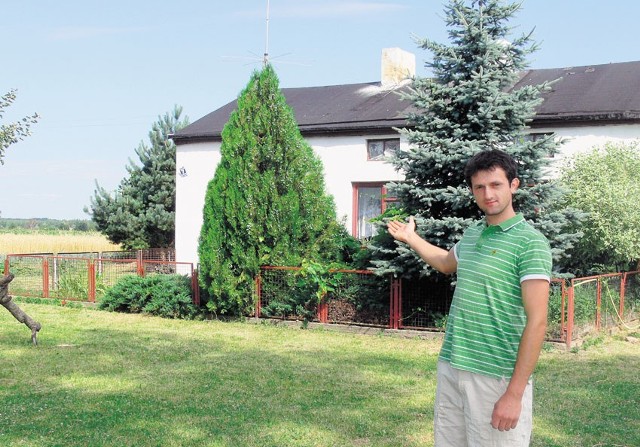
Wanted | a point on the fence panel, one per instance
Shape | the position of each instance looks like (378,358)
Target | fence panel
(630,303)
(608,302)
(425,303)
(557,313)
(110,270)
(28,271)
(83,279)
(69,278)
(358,297)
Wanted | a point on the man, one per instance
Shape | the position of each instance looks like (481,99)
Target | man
(498,315)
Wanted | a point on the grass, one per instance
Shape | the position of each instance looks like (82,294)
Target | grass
(105,379)
(56,242)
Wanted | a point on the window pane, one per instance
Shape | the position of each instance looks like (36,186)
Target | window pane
(375,149)
(369,206)
(391,146)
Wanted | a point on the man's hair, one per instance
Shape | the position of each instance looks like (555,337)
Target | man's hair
(489,160)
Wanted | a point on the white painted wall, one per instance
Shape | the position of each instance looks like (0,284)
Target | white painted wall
(345,161)
(581,139)
(195,166)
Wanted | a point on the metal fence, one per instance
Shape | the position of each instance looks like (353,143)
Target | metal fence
(84,278)
(356,297)
(580,306)
(576,307)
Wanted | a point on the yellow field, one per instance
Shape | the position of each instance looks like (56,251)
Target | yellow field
(54,243)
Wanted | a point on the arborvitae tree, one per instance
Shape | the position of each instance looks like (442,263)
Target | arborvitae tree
(266,204)
(141,212)
(466,107)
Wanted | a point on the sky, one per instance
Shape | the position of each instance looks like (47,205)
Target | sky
(100,73)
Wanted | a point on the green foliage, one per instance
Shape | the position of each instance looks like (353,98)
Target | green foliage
(11,133)
(318,278)
(266,204)
(469,106)
(167,296)
(141,212)
(605,183)
(45,225)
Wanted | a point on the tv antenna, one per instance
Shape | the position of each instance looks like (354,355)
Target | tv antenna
(265,56)
(265,59)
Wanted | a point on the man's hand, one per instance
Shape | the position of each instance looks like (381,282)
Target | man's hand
(402,231)
(442,260)
(506,412)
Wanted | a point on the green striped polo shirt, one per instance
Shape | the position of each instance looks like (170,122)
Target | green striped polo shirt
(487,317)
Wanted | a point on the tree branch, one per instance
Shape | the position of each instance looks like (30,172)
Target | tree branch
(14,309)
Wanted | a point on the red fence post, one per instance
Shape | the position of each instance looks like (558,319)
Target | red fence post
(395,303)
(45,277)
(139,263)
(623,282)
(399,305)
(91,269)
(259,294)
(322,312)
(570,315)
(6,266)
(563,309)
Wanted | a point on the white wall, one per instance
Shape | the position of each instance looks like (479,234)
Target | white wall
(344,160)
(581,139)
(195,166)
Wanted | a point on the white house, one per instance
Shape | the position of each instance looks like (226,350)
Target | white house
(351,127)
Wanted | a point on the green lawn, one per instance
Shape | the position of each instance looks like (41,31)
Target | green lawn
(104,379)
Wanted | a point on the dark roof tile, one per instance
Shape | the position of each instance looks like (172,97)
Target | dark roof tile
(609,92)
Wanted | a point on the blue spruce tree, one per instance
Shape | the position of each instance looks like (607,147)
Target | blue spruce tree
(466,107)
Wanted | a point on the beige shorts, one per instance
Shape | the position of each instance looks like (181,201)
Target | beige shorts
(463,409)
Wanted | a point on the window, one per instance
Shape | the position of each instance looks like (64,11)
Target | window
(369,201)
(380,149)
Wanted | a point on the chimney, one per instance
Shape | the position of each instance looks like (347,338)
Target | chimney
(397,65)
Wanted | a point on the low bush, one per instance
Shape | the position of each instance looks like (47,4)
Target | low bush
(167,296)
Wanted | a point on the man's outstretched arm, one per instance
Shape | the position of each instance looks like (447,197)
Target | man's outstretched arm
(440,259)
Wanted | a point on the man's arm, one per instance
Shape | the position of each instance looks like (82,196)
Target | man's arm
(440,259)
(535,297)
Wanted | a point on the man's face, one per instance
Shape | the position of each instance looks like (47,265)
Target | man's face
(493,193)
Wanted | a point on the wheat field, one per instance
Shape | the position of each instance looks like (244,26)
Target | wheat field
(63,242)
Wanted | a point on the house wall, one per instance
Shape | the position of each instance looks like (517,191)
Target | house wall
(195,166)
(345,162)
(344,159)
(578,139)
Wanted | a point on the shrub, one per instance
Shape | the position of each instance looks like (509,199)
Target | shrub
(167,296)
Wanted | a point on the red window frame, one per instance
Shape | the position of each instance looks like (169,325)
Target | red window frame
(384,202)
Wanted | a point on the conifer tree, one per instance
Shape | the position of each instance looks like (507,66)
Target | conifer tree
(466,107)
(266,204)
(141,212)
(11,133)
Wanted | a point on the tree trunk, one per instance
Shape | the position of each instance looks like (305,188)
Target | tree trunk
(19,314)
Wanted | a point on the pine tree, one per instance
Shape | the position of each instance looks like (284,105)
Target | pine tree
(11,133)
(141,212)
(266,204)
(466,107)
